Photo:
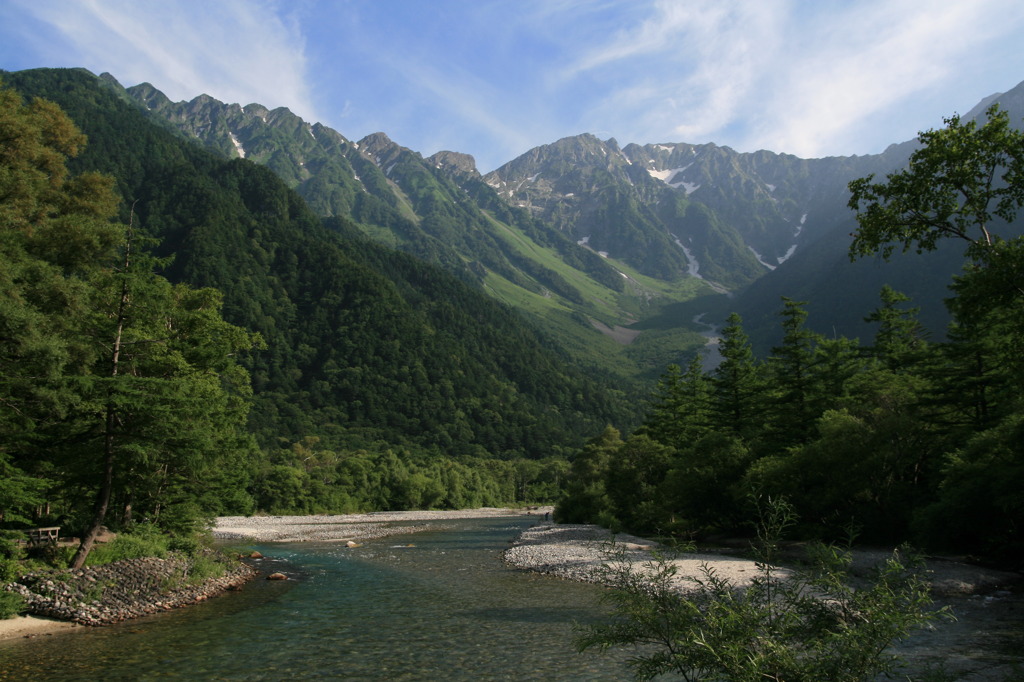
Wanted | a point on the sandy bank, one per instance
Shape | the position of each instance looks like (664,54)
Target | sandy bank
(32,626)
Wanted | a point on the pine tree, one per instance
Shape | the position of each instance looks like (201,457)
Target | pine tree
(680,411)
(793,368)
(900,339)
(737,401)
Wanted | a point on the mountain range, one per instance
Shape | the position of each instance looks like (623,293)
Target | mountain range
(634,241)
(627,257)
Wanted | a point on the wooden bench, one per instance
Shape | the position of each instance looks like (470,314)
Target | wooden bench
(43,536)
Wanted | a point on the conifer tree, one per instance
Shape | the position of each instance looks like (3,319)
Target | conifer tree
(679,415)
(116,383)
(737,403)
(900,338)
(793,367)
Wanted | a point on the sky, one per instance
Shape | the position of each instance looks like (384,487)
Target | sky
(495,78)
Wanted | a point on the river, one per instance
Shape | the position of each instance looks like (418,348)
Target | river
(435,605)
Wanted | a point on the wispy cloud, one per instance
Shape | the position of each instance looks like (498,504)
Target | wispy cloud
(234,50)
(799,77)
(867,60)
(809,77)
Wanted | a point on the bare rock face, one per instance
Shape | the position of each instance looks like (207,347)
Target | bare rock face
(454,162)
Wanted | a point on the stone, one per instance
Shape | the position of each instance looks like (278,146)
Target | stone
(277,576)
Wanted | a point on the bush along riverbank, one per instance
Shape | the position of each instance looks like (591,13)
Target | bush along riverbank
(129,588)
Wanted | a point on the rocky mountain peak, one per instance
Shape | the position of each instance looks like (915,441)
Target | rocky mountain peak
(454,162)
(150,97)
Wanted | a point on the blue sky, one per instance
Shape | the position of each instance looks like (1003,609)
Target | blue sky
(494,78)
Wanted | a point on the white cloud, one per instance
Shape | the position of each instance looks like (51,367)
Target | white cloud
(867,60)
(797,77)
(801,76)
(234,50)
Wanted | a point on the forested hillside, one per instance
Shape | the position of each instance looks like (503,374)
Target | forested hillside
(377,380)
(441,210)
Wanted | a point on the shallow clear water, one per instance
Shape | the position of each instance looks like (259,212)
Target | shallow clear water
(445,608)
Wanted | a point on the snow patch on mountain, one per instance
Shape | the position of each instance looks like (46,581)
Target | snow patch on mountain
(692,266)
(689,187)
(761,260)
(665,147)
(664,175)
(789,252)
(238,145)
(667,176)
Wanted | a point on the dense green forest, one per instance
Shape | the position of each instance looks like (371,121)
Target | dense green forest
(900,439)
(182,336)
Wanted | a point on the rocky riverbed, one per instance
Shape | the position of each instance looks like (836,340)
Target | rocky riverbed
(345,527)
(124,589)
(585,552)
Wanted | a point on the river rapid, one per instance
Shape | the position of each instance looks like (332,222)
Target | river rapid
(433,605)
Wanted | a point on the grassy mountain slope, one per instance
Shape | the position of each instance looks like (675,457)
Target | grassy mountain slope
(441,210)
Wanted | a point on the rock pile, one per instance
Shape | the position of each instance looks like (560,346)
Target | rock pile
(122,590)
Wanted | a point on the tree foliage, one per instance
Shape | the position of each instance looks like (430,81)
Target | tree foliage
(961,179)
(117,385)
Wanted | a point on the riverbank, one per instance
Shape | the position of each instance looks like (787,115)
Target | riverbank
(349,527)
(57,600)
(32,626)
(578,552)
(984,643)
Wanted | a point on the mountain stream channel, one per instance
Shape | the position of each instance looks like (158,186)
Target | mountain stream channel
(434,605)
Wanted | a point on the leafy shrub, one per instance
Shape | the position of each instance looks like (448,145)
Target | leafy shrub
(186,544)
(144,541)
(11,553)
(11,604)
(203,567)
(796,625)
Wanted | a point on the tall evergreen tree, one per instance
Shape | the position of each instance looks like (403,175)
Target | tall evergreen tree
(115,382)
(900,339)
(792,367)
(680,410)
(737,402)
